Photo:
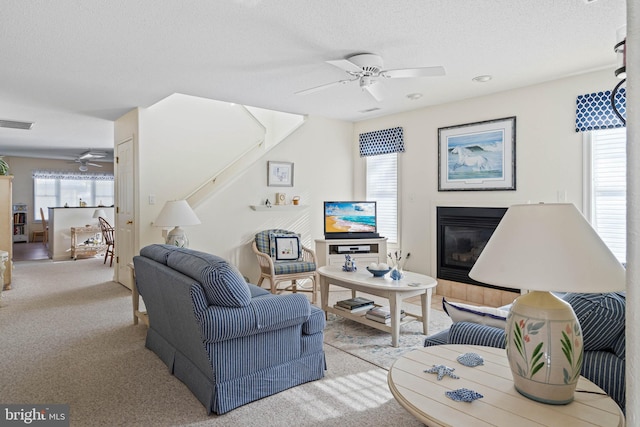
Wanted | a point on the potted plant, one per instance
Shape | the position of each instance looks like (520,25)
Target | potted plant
(4,167)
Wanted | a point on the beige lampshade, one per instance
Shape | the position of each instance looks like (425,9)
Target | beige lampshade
(176,213)
(99,213)
(548,247)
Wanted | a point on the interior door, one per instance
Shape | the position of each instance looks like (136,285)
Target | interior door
(125,211)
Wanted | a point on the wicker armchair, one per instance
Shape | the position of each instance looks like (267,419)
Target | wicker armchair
(284,271)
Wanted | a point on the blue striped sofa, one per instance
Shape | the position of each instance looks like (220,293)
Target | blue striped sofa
(229,341)
(602,320)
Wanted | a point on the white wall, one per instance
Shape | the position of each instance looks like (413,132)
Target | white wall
(321,153)
(549,155)
(176,155)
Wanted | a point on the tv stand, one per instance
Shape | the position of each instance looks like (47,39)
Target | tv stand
(363,251)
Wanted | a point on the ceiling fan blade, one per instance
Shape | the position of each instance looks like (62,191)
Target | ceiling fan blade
(346,65)
(94,164)
(324,86)
(92,155)
(414,72)
(376,90)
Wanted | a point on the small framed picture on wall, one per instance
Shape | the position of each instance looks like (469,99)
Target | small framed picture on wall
(279,174)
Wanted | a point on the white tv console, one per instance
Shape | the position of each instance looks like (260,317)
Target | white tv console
(363,251)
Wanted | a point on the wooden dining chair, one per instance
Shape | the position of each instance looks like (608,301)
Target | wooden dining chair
(108,236)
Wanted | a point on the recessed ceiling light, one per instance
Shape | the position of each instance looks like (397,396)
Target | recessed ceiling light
(414,96)
(482,79)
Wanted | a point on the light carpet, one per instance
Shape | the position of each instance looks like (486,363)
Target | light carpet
(374,345)
(67,337)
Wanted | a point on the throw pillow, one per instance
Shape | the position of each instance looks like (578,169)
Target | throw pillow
(489,316)
(222,282)
(601,317)
(285,247)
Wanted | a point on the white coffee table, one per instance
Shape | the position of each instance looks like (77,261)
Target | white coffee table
(412,284)
(423,395)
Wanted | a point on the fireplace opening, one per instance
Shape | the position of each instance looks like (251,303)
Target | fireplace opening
(462,233)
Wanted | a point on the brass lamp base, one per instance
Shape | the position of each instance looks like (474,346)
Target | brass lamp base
(544,347)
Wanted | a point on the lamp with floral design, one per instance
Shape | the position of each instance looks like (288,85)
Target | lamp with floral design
(544,248)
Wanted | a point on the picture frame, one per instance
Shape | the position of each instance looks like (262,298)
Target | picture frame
(478,156)
(279,174)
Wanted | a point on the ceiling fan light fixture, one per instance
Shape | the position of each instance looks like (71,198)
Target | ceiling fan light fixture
(83,168)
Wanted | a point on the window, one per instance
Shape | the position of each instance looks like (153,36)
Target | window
(382,187)
(67,188)
(606,184)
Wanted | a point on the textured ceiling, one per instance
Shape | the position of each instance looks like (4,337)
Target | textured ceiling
(73,67)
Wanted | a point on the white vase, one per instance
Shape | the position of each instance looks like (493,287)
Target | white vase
(544,347)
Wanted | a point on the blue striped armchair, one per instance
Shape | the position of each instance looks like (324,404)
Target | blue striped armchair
(299,264)
(229,341)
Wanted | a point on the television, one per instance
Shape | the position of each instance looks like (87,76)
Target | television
(350,220)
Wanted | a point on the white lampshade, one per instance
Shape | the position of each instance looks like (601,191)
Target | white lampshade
(548,247)
(544,248)
(99,213)
(174,214)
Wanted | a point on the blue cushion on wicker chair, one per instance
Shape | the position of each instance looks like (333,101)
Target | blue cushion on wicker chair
(294,267)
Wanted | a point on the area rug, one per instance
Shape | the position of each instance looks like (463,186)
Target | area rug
(373,345)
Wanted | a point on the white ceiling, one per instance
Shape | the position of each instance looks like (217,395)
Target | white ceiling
(74,66)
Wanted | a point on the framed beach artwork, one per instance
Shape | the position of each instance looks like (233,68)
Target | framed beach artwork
(478,156)
(279,174)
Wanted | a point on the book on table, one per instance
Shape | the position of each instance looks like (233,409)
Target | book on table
(362,309)
(371,315)
(382,314)
(356,302)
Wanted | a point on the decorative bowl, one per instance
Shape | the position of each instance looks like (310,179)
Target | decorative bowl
(378,273)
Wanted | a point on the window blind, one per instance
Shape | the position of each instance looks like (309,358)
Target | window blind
(382,187)
(609,188)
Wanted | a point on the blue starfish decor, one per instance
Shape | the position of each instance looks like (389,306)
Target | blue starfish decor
(442,370)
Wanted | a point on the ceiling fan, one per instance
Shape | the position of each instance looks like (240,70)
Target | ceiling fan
(85,159)
(84,165)
(367,70)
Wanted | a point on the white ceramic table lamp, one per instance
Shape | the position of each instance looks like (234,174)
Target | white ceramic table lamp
(543,248)
(174,214)
(99,213)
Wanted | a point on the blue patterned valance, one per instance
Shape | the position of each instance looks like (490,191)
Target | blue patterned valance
(381,142)
(594,111)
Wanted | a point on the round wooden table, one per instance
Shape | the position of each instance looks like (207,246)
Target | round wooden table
(423,395)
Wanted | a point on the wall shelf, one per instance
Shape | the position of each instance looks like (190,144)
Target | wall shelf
(277,207)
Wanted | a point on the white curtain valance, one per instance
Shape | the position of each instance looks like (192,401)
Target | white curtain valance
(52,174)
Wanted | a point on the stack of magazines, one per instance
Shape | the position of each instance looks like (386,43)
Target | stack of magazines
(354,305)
(382,314)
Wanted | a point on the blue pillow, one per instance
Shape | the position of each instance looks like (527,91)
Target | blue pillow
(601,317)
(222,283)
